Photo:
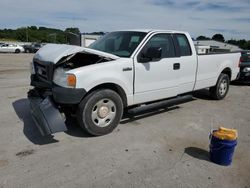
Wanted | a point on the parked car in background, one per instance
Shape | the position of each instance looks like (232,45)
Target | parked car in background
(14,48)
(1,43)
(244,66)
(33,48)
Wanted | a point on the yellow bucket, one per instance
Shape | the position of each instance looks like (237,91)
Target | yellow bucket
(225,134)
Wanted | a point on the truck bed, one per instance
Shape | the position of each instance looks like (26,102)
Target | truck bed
(211,65)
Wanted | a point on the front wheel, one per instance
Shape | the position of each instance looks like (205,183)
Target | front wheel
(220,90)
(17,51)
(100,112)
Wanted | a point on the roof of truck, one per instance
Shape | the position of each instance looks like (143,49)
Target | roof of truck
(153,30)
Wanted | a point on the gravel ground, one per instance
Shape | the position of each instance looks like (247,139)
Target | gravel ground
(152,147)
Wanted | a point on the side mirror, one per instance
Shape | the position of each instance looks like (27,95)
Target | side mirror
(152,53)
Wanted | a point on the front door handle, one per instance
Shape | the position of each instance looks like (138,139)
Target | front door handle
(176,66)
(127,69)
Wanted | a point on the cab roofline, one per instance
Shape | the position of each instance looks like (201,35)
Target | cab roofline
(151,30)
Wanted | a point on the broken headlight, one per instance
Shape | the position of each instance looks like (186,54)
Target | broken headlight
(63,79)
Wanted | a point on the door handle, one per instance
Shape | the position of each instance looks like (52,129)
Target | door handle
(176,66)
(127,69)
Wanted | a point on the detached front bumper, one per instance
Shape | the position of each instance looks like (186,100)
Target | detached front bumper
(45,99)
(46,115)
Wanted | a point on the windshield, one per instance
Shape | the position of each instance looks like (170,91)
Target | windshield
(121,43)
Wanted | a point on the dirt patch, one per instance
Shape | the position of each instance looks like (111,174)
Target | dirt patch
(12,97)
(3,163)
(25,153)
(12,71)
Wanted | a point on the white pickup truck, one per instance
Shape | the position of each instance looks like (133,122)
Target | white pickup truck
(118,71)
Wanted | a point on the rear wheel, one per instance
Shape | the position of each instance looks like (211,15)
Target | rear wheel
(220,90)
(100,112)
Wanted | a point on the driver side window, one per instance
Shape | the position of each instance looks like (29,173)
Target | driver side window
(163,42)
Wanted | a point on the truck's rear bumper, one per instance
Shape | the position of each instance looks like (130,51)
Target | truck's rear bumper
(244,72)
(46,115)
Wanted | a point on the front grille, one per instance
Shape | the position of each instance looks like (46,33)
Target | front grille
(43,72)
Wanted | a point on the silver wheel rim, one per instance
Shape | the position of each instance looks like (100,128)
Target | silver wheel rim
(103,113)
(223,87)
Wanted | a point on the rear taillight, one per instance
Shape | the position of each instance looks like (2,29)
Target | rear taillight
(240,60)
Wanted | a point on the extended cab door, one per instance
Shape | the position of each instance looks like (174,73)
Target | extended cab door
(156,78)
(187,61)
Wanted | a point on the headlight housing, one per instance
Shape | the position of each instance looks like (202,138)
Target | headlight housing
(64,79)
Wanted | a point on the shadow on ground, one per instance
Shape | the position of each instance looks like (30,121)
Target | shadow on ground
(197,153)
(203,94)
(238,83)
(32,133)
(74,129)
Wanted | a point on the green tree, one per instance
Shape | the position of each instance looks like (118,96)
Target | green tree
(21,34)
(218,37)
(32,28)
(202,38)
(72,30)
(243,44)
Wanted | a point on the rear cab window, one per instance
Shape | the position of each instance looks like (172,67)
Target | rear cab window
(183,45)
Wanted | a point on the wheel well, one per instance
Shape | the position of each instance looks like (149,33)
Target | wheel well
(118,89)
(228,72)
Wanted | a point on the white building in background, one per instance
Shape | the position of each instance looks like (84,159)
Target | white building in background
(83,40)
(208,46)
(87,39)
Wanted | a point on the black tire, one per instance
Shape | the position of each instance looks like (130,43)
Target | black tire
(100,103)
(220,90)
(17,51)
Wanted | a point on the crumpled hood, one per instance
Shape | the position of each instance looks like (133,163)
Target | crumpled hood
(54,52)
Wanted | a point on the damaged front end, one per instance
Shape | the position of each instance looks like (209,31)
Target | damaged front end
(51,93)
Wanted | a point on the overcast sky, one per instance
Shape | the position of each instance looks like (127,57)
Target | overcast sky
(199,17)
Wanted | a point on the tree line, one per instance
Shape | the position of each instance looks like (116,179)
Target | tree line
(52,35)
(243,44)
(39,34)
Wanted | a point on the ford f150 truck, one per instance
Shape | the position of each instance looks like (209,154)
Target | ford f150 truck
(118,71)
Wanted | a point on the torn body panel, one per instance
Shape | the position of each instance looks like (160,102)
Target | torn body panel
(81,59)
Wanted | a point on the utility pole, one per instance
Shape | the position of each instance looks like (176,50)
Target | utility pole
(27,35)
